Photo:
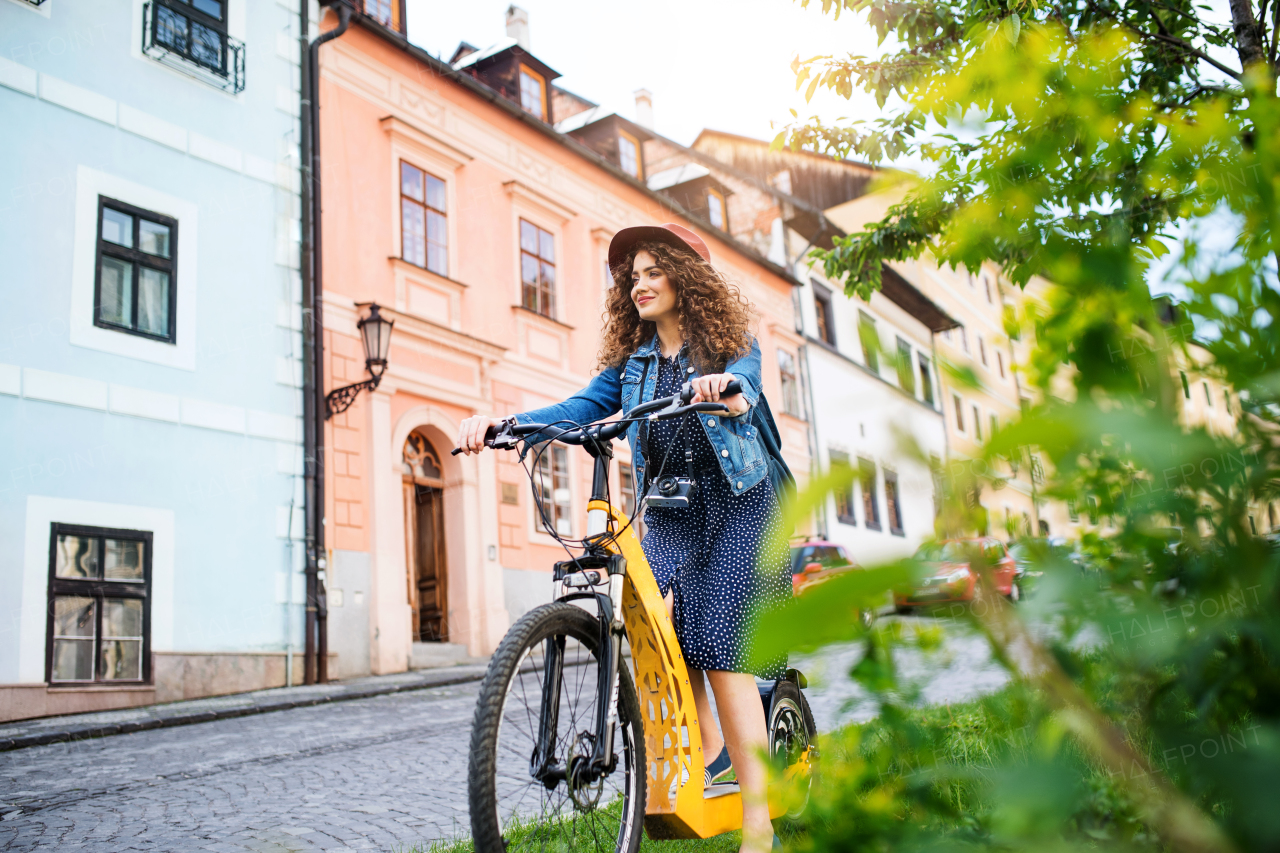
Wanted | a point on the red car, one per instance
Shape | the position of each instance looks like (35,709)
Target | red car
(817,560)
(952,579)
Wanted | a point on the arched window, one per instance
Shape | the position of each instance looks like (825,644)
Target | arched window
(419,460)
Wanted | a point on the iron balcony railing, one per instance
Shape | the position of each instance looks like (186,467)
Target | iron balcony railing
(176,36)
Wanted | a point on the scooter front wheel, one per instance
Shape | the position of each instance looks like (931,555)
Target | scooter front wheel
(512,810)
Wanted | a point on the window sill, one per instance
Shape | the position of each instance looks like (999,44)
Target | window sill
(847,519)
(897,531)
(398,261)
(99,687)
(523,310)
(874,525)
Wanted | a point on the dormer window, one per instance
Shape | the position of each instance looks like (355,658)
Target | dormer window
(629,154)
(715,209)
(385,12)
(533,93)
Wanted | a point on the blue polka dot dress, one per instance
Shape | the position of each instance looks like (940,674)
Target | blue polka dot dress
(722,556)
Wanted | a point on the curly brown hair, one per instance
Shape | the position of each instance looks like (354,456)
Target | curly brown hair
(715,318)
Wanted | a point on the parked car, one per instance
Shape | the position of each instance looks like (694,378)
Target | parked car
(818,560)
(951,577)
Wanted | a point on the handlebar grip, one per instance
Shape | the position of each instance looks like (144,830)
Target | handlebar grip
(734,387)
(489,435)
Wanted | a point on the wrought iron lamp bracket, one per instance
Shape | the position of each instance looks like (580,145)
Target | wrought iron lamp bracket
(339,400)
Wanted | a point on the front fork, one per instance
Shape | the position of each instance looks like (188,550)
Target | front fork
(544,765)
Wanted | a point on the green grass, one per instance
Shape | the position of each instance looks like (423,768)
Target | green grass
(729,842)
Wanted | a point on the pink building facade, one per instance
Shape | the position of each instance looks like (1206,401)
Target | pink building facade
(452,202)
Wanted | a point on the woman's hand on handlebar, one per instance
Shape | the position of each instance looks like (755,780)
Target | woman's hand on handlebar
(707,390)
(471,432)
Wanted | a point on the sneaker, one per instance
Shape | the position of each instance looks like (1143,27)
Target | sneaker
(721,770)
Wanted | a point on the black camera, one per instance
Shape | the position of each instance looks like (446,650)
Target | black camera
(672,492)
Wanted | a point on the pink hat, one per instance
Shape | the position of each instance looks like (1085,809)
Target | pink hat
(670,233)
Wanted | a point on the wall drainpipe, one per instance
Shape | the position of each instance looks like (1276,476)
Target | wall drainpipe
(316,648)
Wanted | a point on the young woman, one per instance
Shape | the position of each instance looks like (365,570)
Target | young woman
(673,318)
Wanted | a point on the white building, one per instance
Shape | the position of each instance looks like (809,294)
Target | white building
(875,405)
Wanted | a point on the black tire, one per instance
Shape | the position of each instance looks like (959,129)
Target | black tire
(792,731)
(510,810)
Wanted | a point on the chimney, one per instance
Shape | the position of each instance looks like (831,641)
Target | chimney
(518,26)
(644,108)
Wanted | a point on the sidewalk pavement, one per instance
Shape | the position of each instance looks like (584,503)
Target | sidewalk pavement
(24,733)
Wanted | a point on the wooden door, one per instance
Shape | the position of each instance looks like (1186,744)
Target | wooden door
(424,531)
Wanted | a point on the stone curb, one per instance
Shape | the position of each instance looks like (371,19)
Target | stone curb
(87,732)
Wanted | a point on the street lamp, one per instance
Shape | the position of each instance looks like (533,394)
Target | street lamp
(375,332)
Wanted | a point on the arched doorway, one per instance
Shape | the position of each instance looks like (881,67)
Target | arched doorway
(424,540)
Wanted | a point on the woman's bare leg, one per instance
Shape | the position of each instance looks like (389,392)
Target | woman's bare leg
(742,718)
(712,741)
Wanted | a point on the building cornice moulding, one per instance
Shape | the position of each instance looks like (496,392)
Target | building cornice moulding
(542,202)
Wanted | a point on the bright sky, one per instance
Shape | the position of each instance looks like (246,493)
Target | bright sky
(720,64)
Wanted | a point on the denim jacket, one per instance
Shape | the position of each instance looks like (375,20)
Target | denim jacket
(734,439)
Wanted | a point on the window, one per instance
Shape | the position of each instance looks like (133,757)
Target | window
(137,256)
(716,210)
(379,10)
(844,497)
(964,339)
(1226,400)
(533,93)
(790,385)
(627,486)
(986,283)
(537,269)
(1208,398)
(192,34)
(982,350)
(629,154)
(977,425)
(867,480)
(906,376)
(825,316)
(424,234)
(1000,363)
(995,424)
(1072,512)
(551,480)
(926,379)
(99,613)
(1186,386)
(1092,504)
(959,404)
(870,341)
(892,503)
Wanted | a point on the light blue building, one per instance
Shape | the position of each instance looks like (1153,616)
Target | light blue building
(150,352)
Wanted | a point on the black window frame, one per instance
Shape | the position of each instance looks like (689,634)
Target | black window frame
(844,498)
(226,73)
(824,315)
(138,259)
(868,332)
(906,376)
(893,503)
(99,589)
(870,500)
(926,378)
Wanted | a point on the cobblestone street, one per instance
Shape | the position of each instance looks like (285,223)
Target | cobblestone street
(384,773)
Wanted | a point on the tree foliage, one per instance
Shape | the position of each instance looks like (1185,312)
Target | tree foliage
(1087,143)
